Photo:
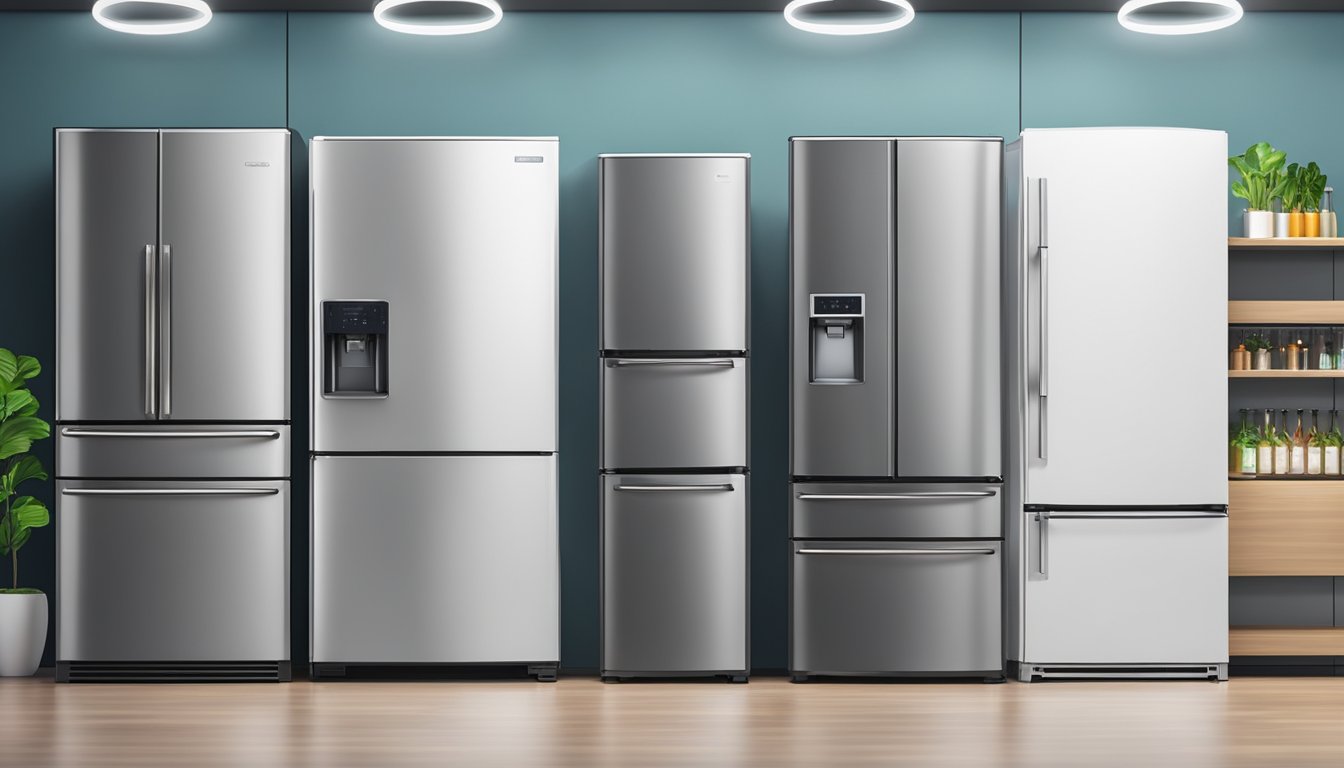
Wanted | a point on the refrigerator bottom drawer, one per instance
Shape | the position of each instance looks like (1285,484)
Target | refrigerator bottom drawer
(896,607)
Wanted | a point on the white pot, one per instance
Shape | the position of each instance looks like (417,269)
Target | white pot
(1280,224)
(1259,223)
(23,633)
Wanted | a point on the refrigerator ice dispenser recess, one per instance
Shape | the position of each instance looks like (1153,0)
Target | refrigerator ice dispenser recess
(837,338)
(355,349)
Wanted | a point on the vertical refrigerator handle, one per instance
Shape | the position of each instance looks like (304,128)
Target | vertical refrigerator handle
(1043,529)
(165,331)
(151,323)
(1043,378)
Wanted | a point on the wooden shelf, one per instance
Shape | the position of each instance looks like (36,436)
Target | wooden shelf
(1283,528)
(1286,641)
(1285,312)
(1284,243)
(1284,374)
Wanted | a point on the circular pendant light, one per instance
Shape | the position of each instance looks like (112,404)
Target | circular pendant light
(905,15)
(152,17)
(1179,17)
(386,13)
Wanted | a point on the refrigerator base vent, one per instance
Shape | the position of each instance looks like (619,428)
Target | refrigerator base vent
(173,672)
(1028,673)
(543,672)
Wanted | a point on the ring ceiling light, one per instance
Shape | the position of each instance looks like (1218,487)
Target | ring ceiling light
(905,13)
(1179,17)
(384,14)
(152,17)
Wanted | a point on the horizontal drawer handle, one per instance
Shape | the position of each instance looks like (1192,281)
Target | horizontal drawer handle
(913,496)
(170,491)
(896,552)
(729,363)
(1131,516)
(702,487)
(269,434)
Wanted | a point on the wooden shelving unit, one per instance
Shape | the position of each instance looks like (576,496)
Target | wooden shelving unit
(1285,312)
(1284,243)
(1284,374)
(1286,641)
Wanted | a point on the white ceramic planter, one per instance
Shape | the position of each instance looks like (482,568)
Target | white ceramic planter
(1258,223)
(1280,224)
(23,633)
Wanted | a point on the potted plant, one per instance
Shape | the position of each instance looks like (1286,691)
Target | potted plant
(1257,166)
(1258,345)
(1311,186)
(23,612)
(1284,190)
(1292,199)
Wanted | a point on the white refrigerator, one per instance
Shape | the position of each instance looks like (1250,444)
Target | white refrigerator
(1115,294)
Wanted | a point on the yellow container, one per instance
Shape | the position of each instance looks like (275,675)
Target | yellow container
(1296,223)
(1312,222)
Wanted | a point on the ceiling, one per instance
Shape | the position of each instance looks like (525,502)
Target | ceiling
(681,5)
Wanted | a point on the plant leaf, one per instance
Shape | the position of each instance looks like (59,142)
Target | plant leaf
(22,468)
(18,433)
(30,513)
(27,367)
(20,538)
(20,402)
(9,367)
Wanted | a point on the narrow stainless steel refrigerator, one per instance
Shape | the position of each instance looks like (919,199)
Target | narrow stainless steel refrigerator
(674,260)
(895,500)
(433,390)
(1117,546)
(172,405)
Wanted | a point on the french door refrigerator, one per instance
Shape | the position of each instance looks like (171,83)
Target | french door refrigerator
(433,382)
(1117,549)
(895,500)
(674,255)
(172,405)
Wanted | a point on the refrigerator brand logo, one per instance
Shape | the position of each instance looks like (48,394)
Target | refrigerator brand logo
(722,177)
(256,164)
(528,159)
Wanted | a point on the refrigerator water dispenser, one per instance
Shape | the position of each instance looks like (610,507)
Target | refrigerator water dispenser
(837,338)
(355,348)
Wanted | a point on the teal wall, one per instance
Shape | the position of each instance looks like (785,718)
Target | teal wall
(627,82)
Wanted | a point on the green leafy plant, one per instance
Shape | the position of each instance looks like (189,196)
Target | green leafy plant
(1335,437)
(1286,189)
(1311,186)
(19,427)
(1246,437)
(1256,342)
(1258,167)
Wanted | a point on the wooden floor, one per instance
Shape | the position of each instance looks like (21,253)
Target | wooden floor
(769,722)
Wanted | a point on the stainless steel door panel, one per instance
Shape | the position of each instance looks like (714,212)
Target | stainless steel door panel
(674,413)
(674,252)
(160,450)
(107,188)
(1125,587)
(841,233)
(460,239)
(878,607)
(674,573)
(172,571)
(224,276)
(889,510)
(435,559)
(948,377)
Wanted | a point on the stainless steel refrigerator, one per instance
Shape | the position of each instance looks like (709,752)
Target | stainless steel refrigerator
(172,405)
(674,253)
(896,495)
(433,388)
(1117,548)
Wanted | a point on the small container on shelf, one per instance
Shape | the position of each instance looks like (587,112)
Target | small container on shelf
(1243,447)
(1334,440)
(1315,445)
(1265,449)
(1297,453)
(1283,448)
(1318,358)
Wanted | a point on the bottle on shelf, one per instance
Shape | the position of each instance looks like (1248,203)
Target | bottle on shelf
(1315,445)
(1283,448)
(1329,224)
(1329,358)
(1293,355)
(1265,449)
(1237,361)
(1298,453)
(1243,447)
(1333,441)
(1317,357)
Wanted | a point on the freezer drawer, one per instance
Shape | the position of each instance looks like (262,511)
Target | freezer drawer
(669,413)
(880,607)
(172,571)
(435,559)
(1125,587)
(674,252)
(195,451)
(889,510)
(674,574)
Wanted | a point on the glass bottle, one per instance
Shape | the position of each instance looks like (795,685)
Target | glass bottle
(1328,356)
(1298,453)
(1264,450)
(1315,445)
(1333,441)
(1282,448)
(1293,355)
(1243,446)
(1329,224)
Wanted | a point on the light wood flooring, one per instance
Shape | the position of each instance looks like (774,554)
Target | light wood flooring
(1285,722)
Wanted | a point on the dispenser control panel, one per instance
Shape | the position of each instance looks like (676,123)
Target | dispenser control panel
(837,305)
(354,316)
